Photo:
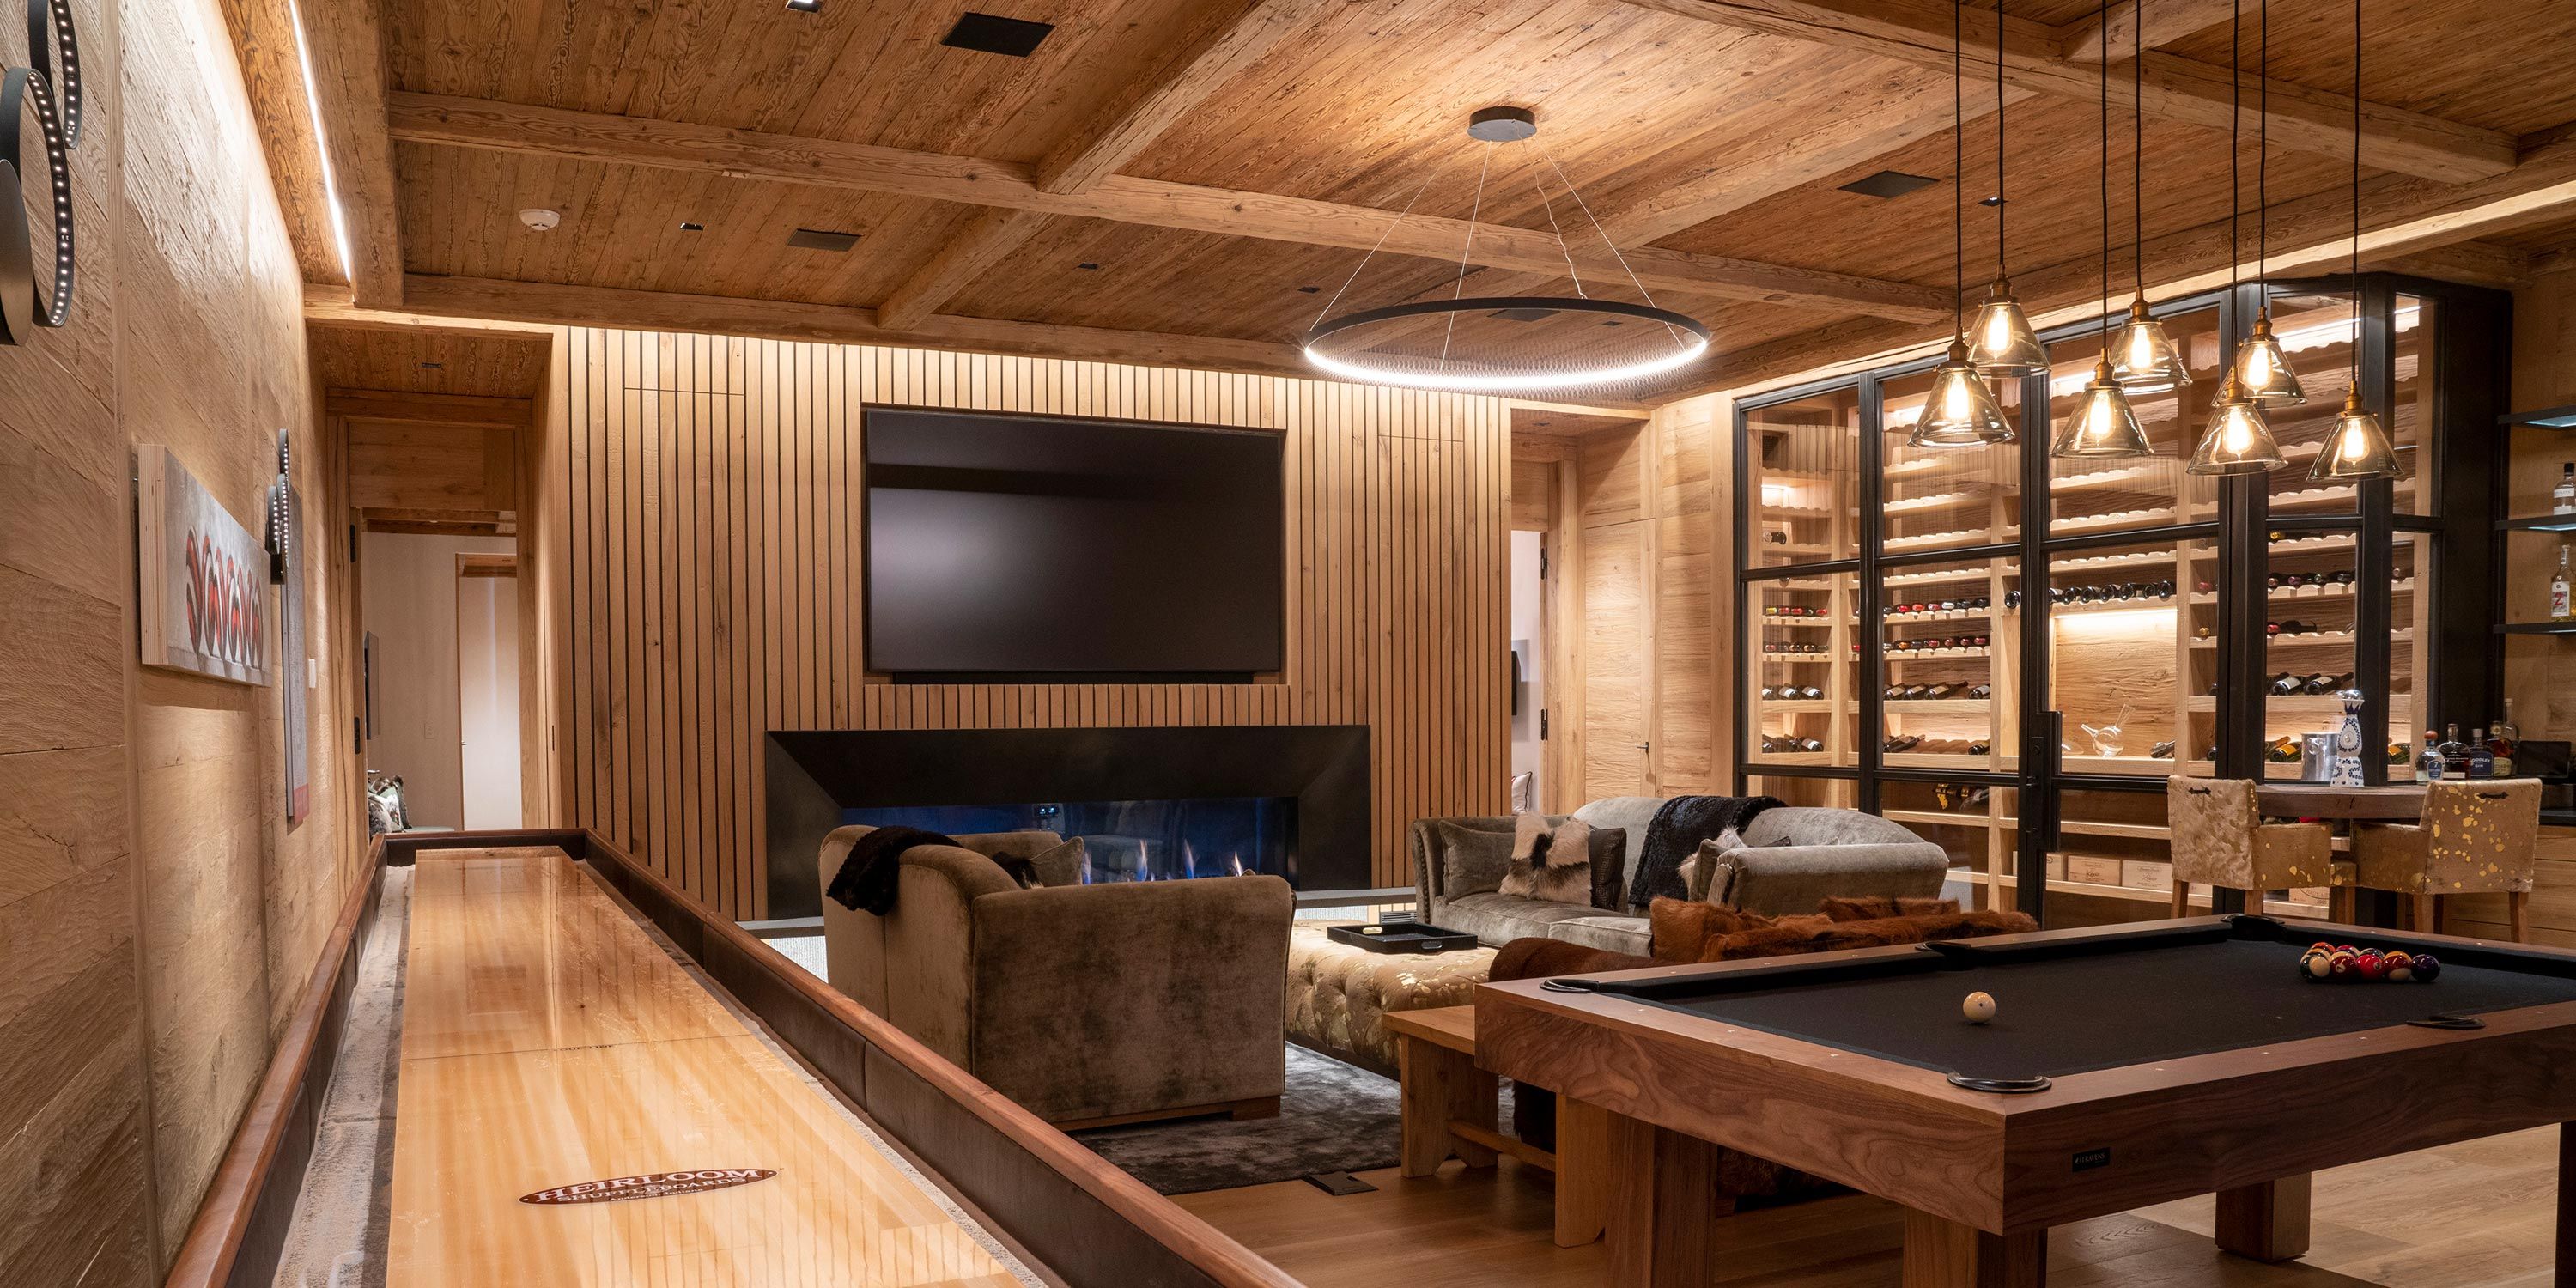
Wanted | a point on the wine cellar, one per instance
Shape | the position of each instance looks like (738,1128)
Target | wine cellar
(1904,661)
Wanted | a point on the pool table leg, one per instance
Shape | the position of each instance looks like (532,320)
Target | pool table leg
(1664,1206)
(1439,1086)
(1941,1253)
(2268,1222)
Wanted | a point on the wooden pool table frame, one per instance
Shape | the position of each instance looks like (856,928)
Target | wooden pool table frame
(1982,1175)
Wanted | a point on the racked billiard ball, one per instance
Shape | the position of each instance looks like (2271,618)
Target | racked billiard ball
(1977,1008)
(2401,966)
(2344,967)
(2427,969)
(2370,966)
(2315,965)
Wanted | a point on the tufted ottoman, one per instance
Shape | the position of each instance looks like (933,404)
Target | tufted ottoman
(1339,996)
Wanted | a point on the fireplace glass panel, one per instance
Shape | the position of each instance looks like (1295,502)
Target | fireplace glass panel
(1151,840)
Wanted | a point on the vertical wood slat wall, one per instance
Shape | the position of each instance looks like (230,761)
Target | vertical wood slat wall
(699,519)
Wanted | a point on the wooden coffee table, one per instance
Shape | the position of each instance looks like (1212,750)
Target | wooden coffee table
(1450,1112)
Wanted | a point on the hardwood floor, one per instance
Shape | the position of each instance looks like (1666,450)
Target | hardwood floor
(2474,1215)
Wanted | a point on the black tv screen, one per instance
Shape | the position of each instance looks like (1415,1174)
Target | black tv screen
(1005,546)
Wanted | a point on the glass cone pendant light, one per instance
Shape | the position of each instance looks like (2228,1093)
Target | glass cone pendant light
(2262,371)
(2356,448)
(1961,411)
(2144,359)
(2239,440)
(2001,341)
(2102,424)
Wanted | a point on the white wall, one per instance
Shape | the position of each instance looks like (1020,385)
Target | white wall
(1529,636)
(410,594)
(487,698)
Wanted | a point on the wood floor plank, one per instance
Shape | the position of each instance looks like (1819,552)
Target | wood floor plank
(558,1044)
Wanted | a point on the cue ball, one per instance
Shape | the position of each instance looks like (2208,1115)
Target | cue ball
(1978,1008)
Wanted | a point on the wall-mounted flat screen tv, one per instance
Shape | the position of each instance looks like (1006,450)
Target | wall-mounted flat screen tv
(1005,547)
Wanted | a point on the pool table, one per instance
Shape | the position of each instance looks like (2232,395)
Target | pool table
(2124,1066)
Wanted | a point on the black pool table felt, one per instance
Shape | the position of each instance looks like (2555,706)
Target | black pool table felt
(2067,1015)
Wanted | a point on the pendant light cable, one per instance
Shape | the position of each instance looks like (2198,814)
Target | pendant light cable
(2356,185)
(1428,173)
(1450,332)
(2138,144)
(2000,274)
(2235,149)
(1958,171)
(2106,200)
(2263,155)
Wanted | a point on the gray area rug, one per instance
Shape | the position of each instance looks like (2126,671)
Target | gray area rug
(1334,1117)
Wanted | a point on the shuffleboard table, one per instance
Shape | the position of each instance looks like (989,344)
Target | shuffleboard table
(2124,1066)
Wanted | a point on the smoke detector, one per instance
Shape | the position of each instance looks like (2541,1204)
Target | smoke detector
(540,218)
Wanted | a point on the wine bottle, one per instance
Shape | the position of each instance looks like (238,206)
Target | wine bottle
(2286,685)
(2500,746)
(2558,608)
(2562,498)
(2428,766)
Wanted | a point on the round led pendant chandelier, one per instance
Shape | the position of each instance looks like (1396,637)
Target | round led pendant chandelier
(1448,339)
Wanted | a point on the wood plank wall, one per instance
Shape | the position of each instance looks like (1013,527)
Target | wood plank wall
(158,917)
(1641,691)
(701,495)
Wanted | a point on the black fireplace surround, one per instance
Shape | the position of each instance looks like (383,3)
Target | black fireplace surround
(816,776)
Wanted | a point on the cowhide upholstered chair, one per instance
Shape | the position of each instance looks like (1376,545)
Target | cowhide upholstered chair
(2220,840)
(2476,837)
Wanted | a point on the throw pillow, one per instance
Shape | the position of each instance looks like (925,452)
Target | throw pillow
(1059,865)
(1876,906)
(1472,860)
(1550,864)
(1610,869)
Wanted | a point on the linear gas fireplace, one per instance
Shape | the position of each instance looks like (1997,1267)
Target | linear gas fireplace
(1156,804)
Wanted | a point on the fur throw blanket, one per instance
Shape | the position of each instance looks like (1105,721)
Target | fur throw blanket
(1704,932)
(1673,838)
(867,879)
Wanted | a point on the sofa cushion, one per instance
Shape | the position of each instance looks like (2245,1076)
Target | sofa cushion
(1627,936)
(1500,918)
(1817,825)
(1699,932)
(1472,859)
(1630,814)
(1791,879)
(1058,865)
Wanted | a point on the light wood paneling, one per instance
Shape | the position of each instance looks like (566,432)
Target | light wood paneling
(706,494)
(400,466)
(488,364)
(157,916)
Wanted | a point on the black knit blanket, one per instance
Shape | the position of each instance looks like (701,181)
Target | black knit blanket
(1680,825)
(866,881)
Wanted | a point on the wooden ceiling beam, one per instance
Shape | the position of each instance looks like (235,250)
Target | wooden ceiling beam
(2085,40)
(482,410)
(347,49)
(2176,89)
(780,158)
(1228,39)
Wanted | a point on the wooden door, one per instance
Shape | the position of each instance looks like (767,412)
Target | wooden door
(1618,671)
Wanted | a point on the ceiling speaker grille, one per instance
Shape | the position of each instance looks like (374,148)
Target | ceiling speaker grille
(987,33)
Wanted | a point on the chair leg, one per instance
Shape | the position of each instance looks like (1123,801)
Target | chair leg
(2424,914)
(2517,906)
(2181,897)
(2340,904)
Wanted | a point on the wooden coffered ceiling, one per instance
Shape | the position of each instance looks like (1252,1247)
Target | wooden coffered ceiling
(1188,181)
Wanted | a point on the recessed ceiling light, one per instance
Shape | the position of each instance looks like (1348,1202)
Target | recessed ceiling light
(540,218)
(819,239)
(986,33)
(692,226)
(1087,265)
(433,366)
(1887,184)
(1308,290)
(804,6)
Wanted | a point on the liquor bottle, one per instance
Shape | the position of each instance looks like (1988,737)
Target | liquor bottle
(2481,760)
(2558,609)
(2428,767)
(2562,498)
(2455,757)
(2500,745)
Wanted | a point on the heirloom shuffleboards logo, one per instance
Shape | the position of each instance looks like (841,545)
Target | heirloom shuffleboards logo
(651,1185)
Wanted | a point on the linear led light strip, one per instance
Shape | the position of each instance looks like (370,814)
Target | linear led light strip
(321,144)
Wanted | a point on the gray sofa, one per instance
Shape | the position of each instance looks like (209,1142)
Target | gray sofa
(1793,857)
(1082,1002)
